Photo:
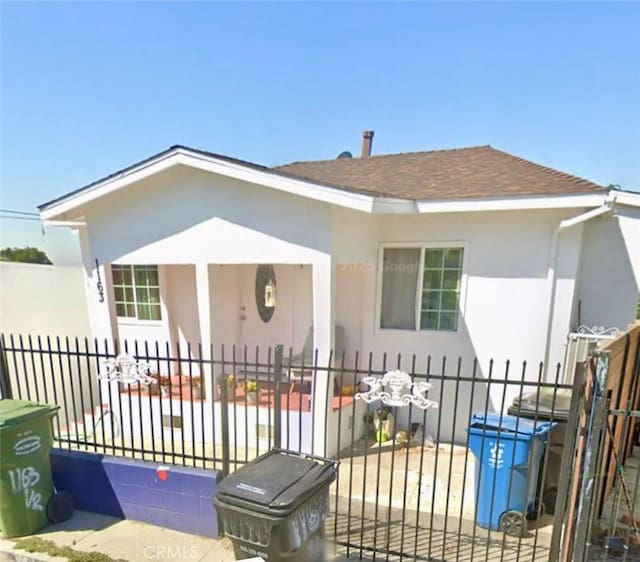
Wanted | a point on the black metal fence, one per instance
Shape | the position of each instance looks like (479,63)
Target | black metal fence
(413,482)
(216,408)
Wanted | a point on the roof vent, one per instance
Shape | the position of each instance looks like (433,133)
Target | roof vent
(367,141)
(344,154)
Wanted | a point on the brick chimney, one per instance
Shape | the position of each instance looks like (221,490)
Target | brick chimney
(367,141)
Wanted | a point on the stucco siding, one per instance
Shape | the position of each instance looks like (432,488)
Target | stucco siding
(610,270)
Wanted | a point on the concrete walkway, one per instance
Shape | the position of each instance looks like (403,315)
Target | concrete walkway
(122,540)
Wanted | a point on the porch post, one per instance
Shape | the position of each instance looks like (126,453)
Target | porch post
(323,283)
(204,286)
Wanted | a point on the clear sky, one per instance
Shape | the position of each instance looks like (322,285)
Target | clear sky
(88,88)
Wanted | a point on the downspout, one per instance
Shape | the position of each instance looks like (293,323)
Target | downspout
(553,258)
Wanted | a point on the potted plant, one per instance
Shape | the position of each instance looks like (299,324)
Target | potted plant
(383,423)
(153,388)
(251,391)
(195,387)
(165,386)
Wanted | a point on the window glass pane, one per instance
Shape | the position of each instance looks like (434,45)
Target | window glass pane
(449,300)
(154,295)
(143,312)
(119,294)
(117,276)
(140,274)
(441,284)
(142,295)
(121,309)
(128,294)
(153,275)
(127,278)
(146,275)
(432,279)
(453,257)
(433,257)
(429,320)
(131,310)
(448,321)
(399,283)
(154,312)
(451,279)
(431,300)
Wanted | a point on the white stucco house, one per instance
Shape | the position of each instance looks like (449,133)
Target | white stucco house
(469,252)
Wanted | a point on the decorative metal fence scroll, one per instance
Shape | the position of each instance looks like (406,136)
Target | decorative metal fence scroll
(396,388)
(597,330)
(126,369)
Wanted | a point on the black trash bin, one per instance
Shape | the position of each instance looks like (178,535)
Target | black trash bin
(275,506)
(547,404)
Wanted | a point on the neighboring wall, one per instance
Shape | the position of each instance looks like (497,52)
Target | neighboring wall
(43,300)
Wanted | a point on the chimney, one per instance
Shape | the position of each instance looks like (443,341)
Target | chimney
(367,141)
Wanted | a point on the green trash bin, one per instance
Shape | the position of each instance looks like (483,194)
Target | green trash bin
(26,486)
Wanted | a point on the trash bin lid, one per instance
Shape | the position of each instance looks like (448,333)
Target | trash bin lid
(508,424)
(548,403)
(17,412)
(276,483)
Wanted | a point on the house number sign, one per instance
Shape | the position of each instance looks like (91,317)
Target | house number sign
(99,285)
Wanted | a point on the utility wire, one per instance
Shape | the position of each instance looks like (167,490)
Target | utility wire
(19,218)
(19,212)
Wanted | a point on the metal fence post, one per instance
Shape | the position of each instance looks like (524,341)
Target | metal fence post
(224,422)
(277,397)
(5,380)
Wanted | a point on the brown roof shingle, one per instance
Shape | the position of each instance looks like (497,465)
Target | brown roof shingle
(475,172)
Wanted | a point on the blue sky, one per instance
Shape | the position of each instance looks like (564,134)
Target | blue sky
(88,88)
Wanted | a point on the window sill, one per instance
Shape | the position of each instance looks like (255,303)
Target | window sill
(125,321)
(418,332)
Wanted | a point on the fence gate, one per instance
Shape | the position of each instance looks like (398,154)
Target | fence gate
(602,505)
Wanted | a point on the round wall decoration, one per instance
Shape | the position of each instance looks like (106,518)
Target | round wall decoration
(265,291)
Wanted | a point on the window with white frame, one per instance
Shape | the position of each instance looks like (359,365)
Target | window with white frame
(421,288)
(137,291)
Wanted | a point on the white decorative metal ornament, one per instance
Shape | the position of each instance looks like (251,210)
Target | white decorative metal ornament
(396,388)
(126,369)
(597,330)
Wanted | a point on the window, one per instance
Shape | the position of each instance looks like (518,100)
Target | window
(137,291)
(421,288)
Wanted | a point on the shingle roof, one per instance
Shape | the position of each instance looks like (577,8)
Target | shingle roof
(480,171)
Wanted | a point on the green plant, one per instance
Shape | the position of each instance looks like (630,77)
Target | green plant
(36,544)
(231,381)
(251,386)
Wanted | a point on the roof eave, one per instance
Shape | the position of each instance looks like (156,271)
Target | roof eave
(182,156)
(533,202)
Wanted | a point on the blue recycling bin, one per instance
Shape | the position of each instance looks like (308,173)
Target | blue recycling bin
(508,451)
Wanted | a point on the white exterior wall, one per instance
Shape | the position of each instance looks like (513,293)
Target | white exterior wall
(198,224)
(610,270)
(505,297)
(505,288)
(184,217)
